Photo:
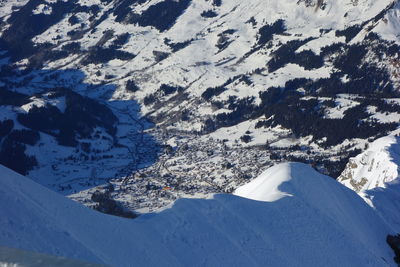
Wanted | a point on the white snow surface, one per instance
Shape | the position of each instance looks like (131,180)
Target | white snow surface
(315,221)
(265,187)
(386,202)
(374,167)
(374,174)
(389,27)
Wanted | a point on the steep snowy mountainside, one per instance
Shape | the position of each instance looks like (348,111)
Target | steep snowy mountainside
(386,202)
(320,223)
(374,174)
(375,167)
(389,27)
(191,97)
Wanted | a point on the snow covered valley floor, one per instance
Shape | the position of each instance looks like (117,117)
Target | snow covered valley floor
(291,215)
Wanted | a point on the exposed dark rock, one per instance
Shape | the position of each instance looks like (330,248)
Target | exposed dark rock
(209,14)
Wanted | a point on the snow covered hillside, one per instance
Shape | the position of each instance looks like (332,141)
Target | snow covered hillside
(375,167)
(374,174)
(315,222)
(162,99)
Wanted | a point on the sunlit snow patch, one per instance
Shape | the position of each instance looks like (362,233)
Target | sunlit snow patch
(266,186)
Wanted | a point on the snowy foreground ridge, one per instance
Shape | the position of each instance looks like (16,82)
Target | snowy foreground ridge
(311,220)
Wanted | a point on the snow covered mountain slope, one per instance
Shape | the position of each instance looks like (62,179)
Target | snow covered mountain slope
(390,27)
(374,174)
(160,99)
(375,167)
(318,222)
(386,202)
(302,183)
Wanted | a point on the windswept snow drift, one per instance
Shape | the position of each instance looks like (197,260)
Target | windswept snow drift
(265,187)
(315,221)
